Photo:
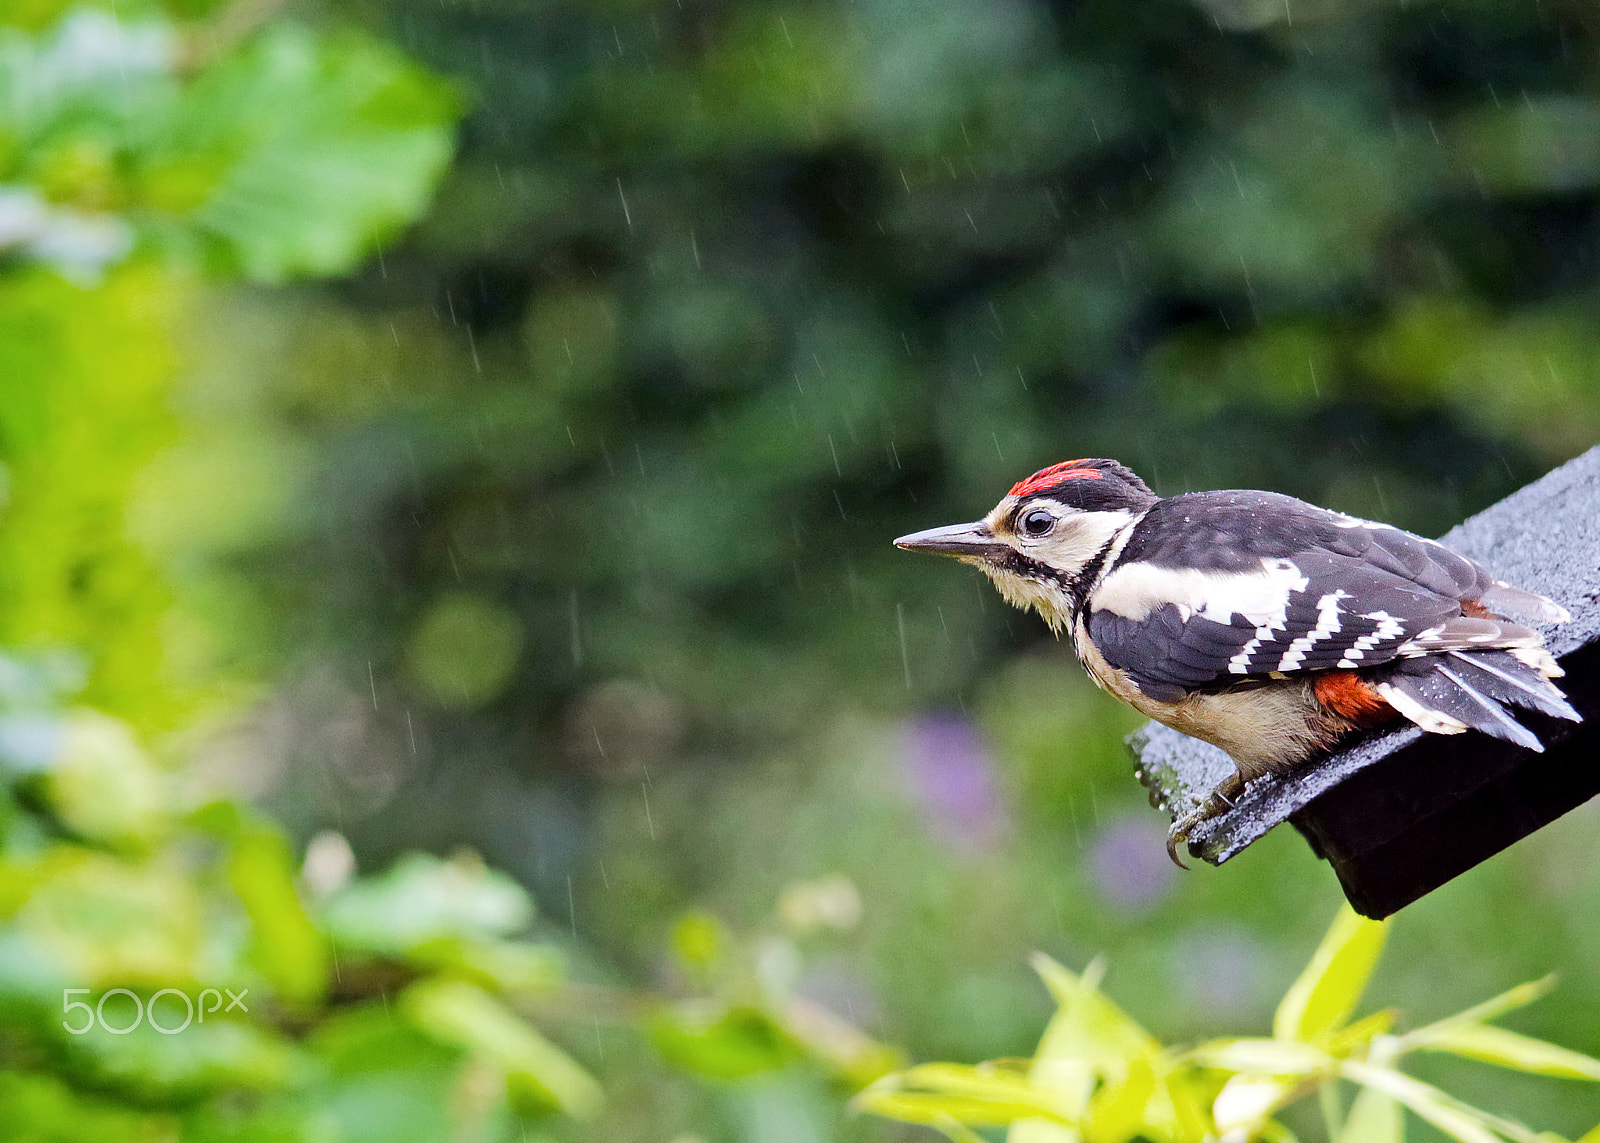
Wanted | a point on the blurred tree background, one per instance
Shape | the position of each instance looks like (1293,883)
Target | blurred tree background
(476,428)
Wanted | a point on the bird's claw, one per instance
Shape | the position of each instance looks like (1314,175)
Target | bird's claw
(1179,833)
(1221,799)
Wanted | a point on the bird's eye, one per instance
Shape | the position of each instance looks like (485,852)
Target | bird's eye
(1038,522)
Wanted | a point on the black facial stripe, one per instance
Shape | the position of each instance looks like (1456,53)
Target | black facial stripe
(1078,587)
(1019,564)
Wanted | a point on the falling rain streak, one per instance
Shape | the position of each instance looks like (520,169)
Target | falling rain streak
(905,657)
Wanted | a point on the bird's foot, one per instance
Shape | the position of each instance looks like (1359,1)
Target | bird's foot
(1218,801)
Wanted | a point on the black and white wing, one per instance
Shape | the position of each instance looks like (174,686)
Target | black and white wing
(1214,588)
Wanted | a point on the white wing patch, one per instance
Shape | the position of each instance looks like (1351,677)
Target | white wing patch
(1134,590)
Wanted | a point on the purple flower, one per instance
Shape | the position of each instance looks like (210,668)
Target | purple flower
(1129,861)
(951,774)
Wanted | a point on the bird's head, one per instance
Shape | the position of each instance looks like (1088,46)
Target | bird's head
(1046,534)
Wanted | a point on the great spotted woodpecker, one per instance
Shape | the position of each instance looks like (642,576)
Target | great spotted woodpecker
(1256,621)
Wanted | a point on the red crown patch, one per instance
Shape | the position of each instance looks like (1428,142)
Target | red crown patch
(1055,474)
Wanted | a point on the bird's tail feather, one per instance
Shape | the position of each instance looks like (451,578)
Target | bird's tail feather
(1457,691)
(1504,597)
(1502,676)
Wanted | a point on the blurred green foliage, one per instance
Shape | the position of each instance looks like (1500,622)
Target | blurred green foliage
(451,426)
(1098,1076)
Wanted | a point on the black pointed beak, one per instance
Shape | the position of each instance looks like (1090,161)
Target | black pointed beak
(964,541)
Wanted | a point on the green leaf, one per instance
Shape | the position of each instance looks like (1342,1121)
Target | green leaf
(957,1132)
(1320,1002)
(1445,1112)
(1245,1102)
(421,900)
(937,1110)
(1375,1117)
(102,784)
(1117,1112)
(1491,1009)
(1042,1131)
(117,923)
(1181,1106)
(285,946)
(1262,1057)
(981,1096)
(355,141)
(205,1056)
(1508,1050)
(1360,1033)
(91,69)
(43,1107)
(513,967)
(722,1042)
(381,1078)
(1088,1026)
(1087,1040)
(68,475)
(462,1014)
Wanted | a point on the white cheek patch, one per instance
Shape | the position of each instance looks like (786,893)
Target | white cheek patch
(1077,539)
(1261,597)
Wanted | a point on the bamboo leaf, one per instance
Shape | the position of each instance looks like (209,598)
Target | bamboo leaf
(1088,1026)
(978,1096)
(1510,1050)
(1445,1112)
(1180,1108)
(935,1110)
(1274,1132)
(1320,1002)
(1375,1117)
(959,1132)
(1491,1009)
(1245,1102)
(1042,1131)
(1117,1111)
(1087,1040)
(1262,1057)
(1361,1033)
(994,1108)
